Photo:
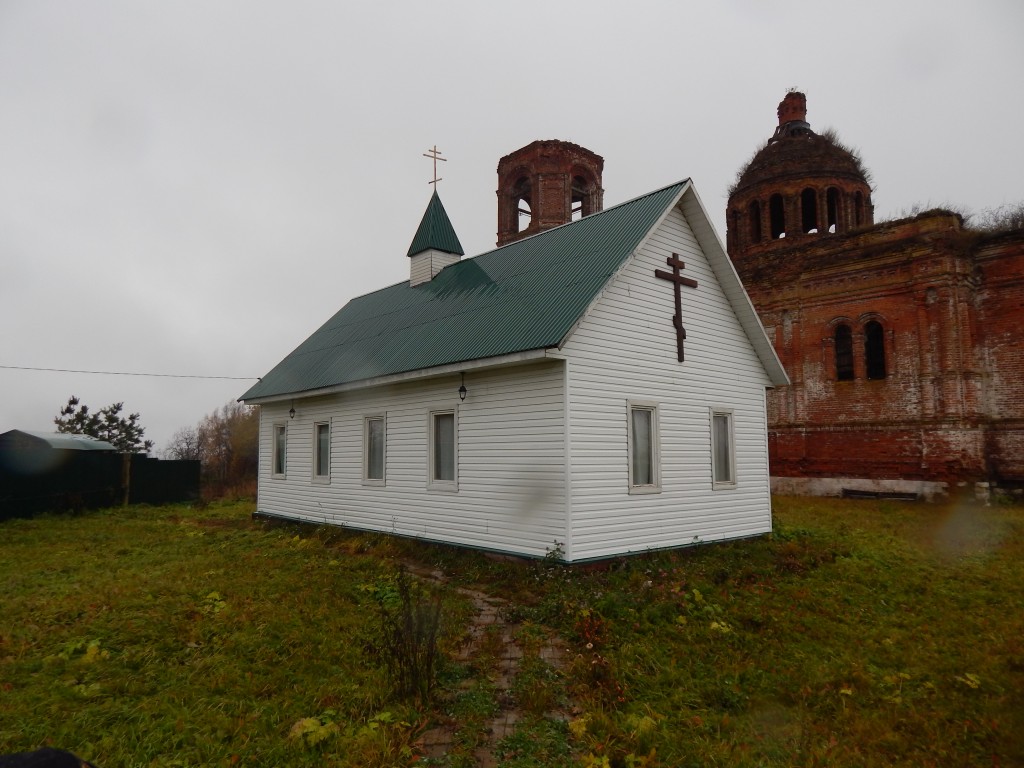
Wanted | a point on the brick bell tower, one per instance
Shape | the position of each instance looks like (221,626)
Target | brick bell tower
(546,184)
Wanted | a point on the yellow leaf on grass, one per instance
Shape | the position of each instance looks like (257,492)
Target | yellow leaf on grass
(970,679)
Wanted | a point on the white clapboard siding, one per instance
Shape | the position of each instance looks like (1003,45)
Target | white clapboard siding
(424,266)
(511,460)
(625,349)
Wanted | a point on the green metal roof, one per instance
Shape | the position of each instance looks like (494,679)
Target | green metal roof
(524,296)
(435,231)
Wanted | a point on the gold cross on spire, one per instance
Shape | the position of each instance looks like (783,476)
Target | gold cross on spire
(435,155)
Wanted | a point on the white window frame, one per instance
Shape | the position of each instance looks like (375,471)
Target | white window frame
(655,448)
(730,482)
(382,480)
(279,450)
(324,479)
(433,483)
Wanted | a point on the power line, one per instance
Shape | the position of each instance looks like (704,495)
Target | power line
(128,373)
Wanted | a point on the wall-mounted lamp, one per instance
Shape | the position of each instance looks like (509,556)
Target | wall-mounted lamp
(462,390)
(291,412)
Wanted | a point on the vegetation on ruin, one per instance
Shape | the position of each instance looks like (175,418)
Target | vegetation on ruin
(1008,217)
(830,136)
(859,633)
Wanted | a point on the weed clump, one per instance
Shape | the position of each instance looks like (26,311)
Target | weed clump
(406,633)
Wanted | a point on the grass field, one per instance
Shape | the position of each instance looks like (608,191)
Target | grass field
(858,634)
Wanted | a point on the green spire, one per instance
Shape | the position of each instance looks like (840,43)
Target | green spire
(435,231)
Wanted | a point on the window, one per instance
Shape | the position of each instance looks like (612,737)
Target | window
(374,443)
(723,455)
(874,349)
(809,210)
(322,451)
(644,459)
(279,450)
(832,208)
(443,451)
(522,206)
(583,203)
(755,221)
(777,216)
(844,353)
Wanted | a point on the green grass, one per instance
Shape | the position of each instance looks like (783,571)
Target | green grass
(859,633)
(168,636)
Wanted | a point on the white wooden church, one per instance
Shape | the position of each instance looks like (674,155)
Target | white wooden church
(596,388)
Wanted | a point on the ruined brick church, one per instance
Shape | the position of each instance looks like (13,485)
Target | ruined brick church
(902,339)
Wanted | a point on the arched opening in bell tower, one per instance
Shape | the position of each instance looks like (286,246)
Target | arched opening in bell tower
(522,203)
(832,209)
(777,214)
(755,221)
(809,211)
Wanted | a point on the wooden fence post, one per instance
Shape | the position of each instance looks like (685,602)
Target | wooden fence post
(126,477)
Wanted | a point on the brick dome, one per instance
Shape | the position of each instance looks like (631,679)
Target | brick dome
(800,183)
(804,155)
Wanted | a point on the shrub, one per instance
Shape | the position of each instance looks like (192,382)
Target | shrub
(406,633)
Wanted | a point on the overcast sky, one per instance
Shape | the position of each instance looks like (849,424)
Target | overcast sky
(192,188)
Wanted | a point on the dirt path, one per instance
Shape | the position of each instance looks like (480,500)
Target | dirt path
(489,634)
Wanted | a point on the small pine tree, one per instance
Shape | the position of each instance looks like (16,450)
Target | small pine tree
(124,433)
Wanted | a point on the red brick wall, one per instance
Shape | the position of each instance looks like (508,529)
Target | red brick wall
(546,169)
(999,264)
(951,304)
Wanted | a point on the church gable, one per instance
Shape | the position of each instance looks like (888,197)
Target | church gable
(638,308)
(680,270)
(623,365)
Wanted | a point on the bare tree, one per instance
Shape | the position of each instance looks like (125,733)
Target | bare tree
(227,443)
(185,444)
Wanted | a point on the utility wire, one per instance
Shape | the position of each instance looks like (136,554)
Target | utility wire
(128,373)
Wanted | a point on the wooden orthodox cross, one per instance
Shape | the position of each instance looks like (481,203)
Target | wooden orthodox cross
(435,155)
(677,280)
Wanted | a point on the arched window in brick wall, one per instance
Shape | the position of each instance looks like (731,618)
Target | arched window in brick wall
(777,214)
(755,221)
(809,210)
(584,197)
(844,353)
(522,195)
(832,209)
(874,349)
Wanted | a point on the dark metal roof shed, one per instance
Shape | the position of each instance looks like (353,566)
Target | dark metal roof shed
(20,438)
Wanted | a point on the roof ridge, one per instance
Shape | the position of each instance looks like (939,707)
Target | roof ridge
(591,216)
